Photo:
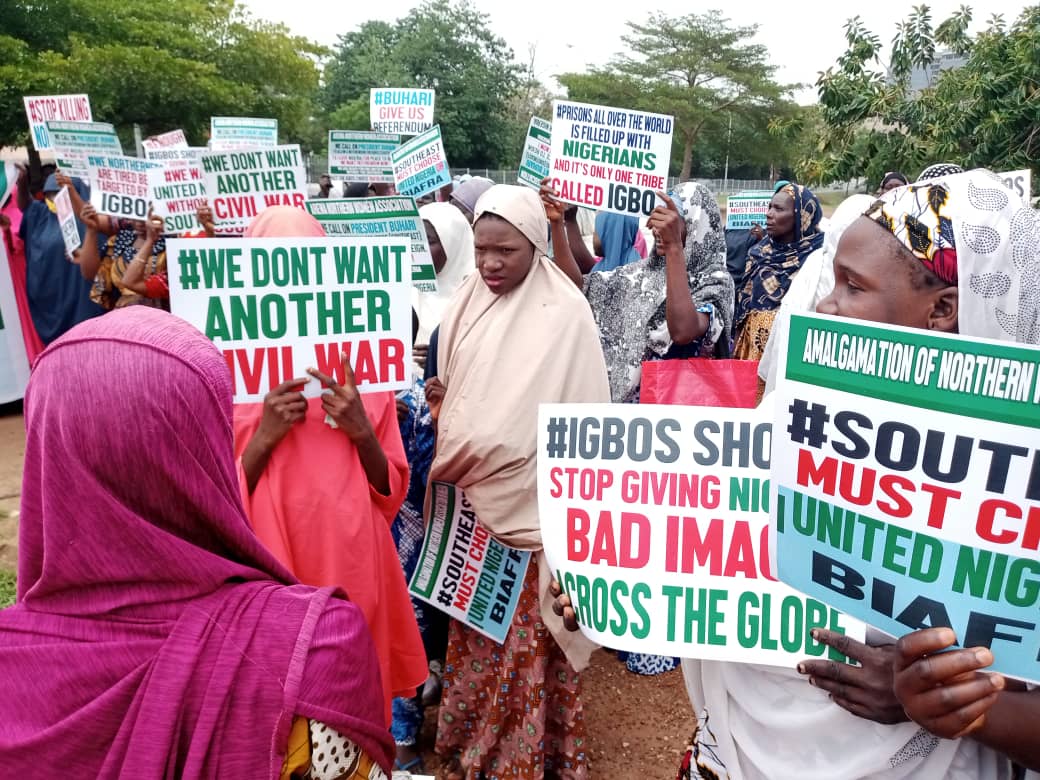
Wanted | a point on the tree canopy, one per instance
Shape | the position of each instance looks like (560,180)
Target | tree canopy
(162,65)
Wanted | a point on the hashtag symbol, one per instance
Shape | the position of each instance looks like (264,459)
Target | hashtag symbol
(189,262)
(557,446)
(807,423)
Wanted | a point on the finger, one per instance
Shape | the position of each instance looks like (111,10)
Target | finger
(930,671)
(924,642)
(554,588)
(831,671)
(669,203)
(293,385)
(348,372)
(570,619)
(561,604)
(964,720)
(855,707)
(325,379)
(843,690)
(843,643)
(938,702)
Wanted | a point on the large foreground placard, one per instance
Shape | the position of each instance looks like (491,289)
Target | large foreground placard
(278,306)
(655,521)
(907,471)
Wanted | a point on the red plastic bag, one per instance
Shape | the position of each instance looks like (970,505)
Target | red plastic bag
(700,382)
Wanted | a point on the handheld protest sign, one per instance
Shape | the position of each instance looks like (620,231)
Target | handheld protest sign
(655,521)
(747,209)
(906,472)
(463,571)
(534,163)
(67,221)
(278,306)
(609,159)
(231,133)
(176,157)
(239,185)
(41,109)
(175,194)
(401,111)
(362,156)
(420,165)
(175,139)
(73,142)
(119,186)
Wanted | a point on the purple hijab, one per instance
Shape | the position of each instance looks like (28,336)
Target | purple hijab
(153,635)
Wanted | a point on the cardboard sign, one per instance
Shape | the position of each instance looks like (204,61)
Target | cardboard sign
(119,186)
(231,133)
(278,306)
(610,158)
(463,571)
(534,164)
(42,109)
(382,217)
(420,165)
(174,139)
(176,193)
(239,185)
(361,156)
(655,521)
(906,473)
(401,111)
(67,221)
(747,209)
(73,142)
(1020,183)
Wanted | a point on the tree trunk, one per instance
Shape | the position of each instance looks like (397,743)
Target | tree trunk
(687,156)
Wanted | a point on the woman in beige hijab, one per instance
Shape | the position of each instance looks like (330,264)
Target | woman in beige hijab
(518,334)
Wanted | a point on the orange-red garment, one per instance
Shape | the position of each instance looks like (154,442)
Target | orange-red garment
(315,510)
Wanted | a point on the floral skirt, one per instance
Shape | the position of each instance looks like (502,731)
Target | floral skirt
(512,710)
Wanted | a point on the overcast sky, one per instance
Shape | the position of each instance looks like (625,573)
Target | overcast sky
(803,38)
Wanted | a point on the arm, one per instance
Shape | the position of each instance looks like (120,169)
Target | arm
(133,277)
(24,198)
(563,257)
(685,323)
(283,407)
(582,256)
(88,258)
(104,223)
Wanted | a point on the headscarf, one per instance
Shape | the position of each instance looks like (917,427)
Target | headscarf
(628,303)
(356,189)
(469,191)
(970,230)
(617,236)
(939,170)
(894,176)
(284,221)
(500,357)
(154,636)
(59,296)
(772,265)
(457,239)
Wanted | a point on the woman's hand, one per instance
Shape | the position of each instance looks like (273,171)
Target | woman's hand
(562,606)
(944,692)
(283,408)
(420,352)
(864,690)
(153,229)
(554,208)
(63,179)
(435,396)
(343,404)
(667,225)
(204,214)
(89,217)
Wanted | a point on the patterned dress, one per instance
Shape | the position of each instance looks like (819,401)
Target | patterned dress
(512,710)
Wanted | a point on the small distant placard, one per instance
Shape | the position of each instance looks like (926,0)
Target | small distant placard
(401,111)
(747,209)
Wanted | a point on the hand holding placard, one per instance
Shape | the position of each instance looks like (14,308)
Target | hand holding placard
(283,408)
(342,402)
(666,223)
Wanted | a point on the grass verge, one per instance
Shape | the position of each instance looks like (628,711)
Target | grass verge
(6,588)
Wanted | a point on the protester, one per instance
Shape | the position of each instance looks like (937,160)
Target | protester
(891,180)
(792,234)
(739,243)
(356,189)
(939,170)
(468,192)
(517,334)
(131,239)
(451,245)
(156,285)
(153,635)
(58,295)
(754,721)
(614,240)
(324,186)
(322,498)
(413,414)
(11,177)
(677,303)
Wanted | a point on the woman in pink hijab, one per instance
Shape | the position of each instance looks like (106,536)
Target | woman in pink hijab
(153,635)
(323,498)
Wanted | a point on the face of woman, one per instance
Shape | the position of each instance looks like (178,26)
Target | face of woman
(890,184)
(873,282)
(503,253)
(780,218)
(440,257)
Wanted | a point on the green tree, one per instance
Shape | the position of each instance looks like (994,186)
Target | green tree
(160,65)
(442,45)
(985,112)
(695,68)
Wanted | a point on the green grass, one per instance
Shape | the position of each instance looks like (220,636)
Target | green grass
(6,588)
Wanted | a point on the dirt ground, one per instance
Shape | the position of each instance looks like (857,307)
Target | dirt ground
(637,726)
